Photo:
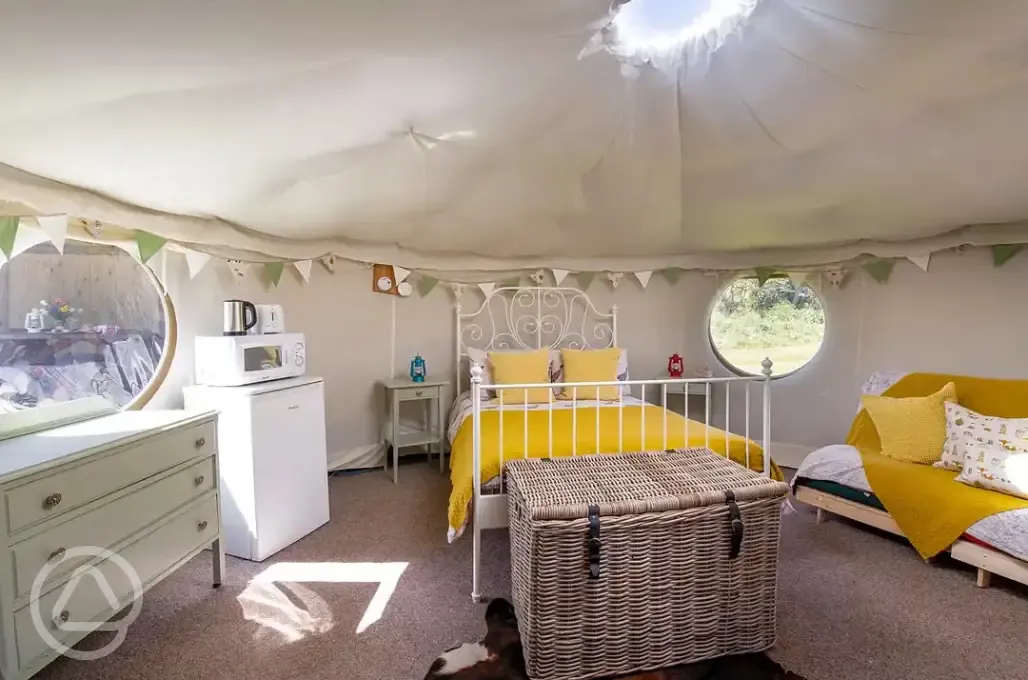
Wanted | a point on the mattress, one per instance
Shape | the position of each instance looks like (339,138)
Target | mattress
(841,465)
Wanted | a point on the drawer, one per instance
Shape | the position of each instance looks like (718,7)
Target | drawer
(77,484)
(411,393)
(108,524)
(88,599)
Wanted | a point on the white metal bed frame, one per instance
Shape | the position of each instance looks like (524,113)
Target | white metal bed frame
(556,318)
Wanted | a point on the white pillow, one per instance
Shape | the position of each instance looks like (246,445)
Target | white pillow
(1002,468)
(557,370)
(964,427)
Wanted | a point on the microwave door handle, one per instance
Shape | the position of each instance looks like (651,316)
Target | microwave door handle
(249,316)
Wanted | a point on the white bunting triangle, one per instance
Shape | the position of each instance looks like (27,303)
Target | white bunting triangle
(487,289)
(400,273)
(56,229)
(920,260)
(644,277)
(238,269)
(304,267)
(329,261)
(195,262)
(26,237)
(559,275)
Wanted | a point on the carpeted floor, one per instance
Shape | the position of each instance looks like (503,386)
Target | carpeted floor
(854,605)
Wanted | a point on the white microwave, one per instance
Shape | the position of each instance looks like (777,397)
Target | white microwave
(232,360)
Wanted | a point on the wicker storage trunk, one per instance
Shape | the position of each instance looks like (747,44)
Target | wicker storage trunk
(632,562)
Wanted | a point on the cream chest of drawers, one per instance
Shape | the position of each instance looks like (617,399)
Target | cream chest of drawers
(126,498)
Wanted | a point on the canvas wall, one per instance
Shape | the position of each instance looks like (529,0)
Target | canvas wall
(964,316)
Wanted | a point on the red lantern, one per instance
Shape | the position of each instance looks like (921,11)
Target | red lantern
(674,366)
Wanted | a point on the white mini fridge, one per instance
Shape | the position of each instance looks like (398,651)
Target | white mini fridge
(273,461)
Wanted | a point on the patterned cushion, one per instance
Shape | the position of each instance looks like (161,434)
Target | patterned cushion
(998,467)
(964,427)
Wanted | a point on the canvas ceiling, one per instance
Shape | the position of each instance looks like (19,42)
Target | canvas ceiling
(463,135)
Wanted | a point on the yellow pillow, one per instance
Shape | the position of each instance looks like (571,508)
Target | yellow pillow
(912,429)
(591,365)
(514,368)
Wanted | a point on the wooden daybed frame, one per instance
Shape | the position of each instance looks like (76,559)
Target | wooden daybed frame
(986,560)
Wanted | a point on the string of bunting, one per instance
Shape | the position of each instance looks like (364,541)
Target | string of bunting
(18,234)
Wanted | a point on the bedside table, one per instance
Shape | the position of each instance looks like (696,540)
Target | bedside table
(399,390)
(697,396)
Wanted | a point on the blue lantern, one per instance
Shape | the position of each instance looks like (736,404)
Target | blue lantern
(417,369)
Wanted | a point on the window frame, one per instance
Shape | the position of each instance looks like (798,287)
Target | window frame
(52,416)
(735,370)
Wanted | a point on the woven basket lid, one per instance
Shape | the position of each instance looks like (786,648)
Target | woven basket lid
(634,483)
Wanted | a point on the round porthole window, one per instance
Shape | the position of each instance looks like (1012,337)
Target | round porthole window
(780,320)
(89,322)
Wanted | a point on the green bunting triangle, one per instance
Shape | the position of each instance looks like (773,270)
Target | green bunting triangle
(585,279)
(880,270)
(426,284)
(671,274)
(763,274)
(1002,253)
(514,282)
(148,244)
(273,272)
(8,231)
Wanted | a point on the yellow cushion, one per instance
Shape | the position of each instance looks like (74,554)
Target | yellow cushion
(591,365)
(911,429)
(515,368)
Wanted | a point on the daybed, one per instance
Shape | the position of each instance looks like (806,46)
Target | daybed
(924,504)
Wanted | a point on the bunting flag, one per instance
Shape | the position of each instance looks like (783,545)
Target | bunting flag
(426,284)
(195,262)
(329,261)
(487,288)
(1002,253)
(880,270)
(56,229)
(921,260)
(304,267)
(511,283)
(614,278)
(538,277)
(400,273)
(238,269)
(95,228)
(763,274)
(8,232)
(644,278)
(458,290)
(148,244)
(559,275)
(797,278)
(671,274)
(273,272)
(835,277)
(585,279)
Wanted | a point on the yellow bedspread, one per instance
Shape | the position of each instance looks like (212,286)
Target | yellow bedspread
(932,509)
(584,442)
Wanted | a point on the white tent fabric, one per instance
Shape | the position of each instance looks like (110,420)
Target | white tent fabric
(479,135)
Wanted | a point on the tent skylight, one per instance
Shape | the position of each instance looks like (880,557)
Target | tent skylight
(669,33)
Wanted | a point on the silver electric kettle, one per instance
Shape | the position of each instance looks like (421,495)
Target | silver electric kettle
(239,316)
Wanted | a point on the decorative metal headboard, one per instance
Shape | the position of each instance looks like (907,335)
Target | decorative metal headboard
(532,318)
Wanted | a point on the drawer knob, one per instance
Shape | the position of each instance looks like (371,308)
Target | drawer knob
(198,480)
(52,501)
(201,525)
(62,618)
(294,407)
(57,555)
(419,392)
(200,442)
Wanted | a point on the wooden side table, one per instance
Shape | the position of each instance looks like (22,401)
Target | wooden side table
(399,390)
(697,397)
